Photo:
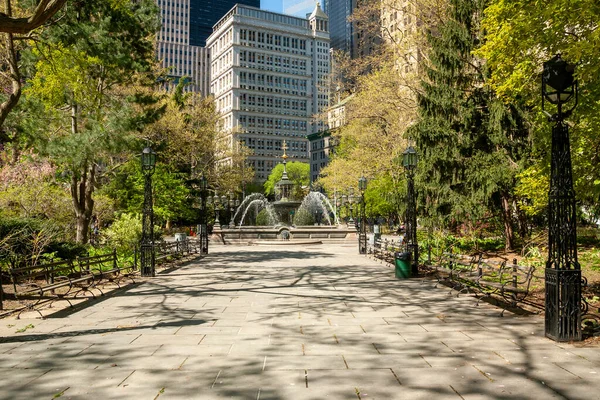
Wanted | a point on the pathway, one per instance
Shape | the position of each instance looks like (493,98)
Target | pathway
(317,322)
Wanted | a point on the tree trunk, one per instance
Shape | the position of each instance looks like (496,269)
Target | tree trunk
(13,75)
(82,188)
(507,217)
(83,182)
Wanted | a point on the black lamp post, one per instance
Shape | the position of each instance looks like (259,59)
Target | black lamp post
(351,206)
(147,242)
(231,209)
(409,162)
(217,205)
(362,231)
(204,216)
(563,273)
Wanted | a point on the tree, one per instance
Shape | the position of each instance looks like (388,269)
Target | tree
(171,195)
(79,67)
(298,173)
(43,11)
(16,20)
(521,35)
(189,140)
(469,142)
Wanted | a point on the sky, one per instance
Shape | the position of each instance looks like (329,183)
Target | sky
(272,5)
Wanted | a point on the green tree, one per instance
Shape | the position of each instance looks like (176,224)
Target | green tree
(298,173)
(171,196)
(80,68)
(469,142)
(521,35)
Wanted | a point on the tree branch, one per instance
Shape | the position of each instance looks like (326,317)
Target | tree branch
(42,13)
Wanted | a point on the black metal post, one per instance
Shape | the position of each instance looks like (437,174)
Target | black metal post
(411,223)
(564,305)
(147,260)
(362,232)
(203,225)
(563,272)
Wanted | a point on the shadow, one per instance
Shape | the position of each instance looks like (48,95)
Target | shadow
(258,323)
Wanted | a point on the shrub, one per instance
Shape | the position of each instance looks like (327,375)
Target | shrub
(125,232)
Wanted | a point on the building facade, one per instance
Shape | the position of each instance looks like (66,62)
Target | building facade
(269,76)
(185,26)
(341,30)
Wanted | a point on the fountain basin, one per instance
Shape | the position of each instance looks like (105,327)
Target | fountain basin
(311,234)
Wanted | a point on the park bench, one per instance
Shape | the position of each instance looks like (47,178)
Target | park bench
(486,278)
(62,280)
(384,249)
(510,281)
(106,267)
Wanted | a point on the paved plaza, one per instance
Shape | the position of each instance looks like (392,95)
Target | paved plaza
(295,322)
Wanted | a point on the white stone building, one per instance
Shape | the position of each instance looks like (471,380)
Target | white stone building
(178,49)
(269,75)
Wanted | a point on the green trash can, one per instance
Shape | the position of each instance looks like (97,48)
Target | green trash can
(403,267)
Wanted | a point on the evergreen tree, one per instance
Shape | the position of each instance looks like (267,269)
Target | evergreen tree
(469,142)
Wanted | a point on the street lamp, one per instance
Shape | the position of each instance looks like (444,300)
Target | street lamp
(147,242)
(350,206)
(409,162)
(204,216)
(216,200)
(563,272)
(232,202)
(362,231)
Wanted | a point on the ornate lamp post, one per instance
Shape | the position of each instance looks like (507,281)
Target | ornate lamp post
(409,162)
(204,216)
(362,231)
(351,200)
(232,202)
(563,273)
(147,243)
(216,200)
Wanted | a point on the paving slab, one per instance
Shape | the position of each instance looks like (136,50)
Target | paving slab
(319,322)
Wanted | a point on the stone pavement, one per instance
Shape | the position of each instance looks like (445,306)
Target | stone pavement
(318,322)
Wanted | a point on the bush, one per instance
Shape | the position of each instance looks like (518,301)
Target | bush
(262,219)
(303,217)
(125,232)
(24,240)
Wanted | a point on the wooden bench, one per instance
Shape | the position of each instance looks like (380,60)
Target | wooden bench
(46,282)
(62,280)
(510,281)
(486,278)
(106,267)
(384,249)
(457,269)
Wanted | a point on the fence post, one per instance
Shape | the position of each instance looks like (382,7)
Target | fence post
(115,258)
(514,277)
(135,255)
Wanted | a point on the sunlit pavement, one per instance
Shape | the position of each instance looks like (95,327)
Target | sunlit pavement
(289,323)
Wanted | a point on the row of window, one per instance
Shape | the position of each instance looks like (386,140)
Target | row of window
(272,41)
(273,63)
(250,121)
(273,104)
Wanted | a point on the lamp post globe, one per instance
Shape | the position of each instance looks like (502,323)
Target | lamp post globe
(147,257)
(564,305)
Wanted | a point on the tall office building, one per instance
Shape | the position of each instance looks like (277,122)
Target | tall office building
(186,24)
(340,29)
(269,76)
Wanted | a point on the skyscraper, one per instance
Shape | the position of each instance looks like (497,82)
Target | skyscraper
(186,24)
(340,29)
(269,76)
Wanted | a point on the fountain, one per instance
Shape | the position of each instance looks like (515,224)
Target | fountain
(281,217)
